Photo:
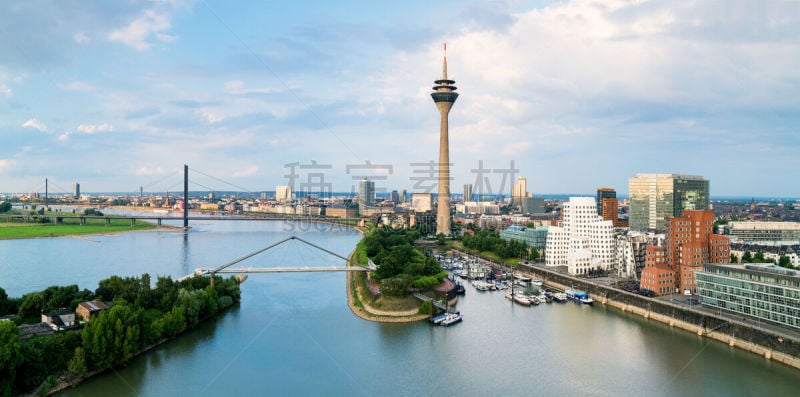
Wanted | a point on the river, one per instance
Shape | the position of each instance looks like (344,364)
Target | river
(293,334)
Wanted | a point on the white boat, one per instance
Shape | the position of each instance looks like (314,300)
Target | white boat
(536,282)
(522,299)
(560,297)
(450,319)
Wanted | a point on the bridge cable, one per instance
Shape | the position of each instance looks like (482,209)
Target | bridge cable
(222,180)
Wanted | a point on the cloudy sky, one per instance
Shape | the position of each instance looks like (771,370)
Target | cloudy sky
(578,94)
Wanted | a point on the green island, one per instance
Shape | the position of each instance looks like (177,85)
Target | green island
(41,354)
(384,295)
(40,224)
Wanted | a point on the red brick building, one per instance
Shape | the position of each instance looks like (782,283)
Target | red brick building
(690,242)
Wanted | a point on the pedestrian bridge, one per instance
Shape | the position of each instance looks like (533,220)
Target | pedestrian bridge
(226,268)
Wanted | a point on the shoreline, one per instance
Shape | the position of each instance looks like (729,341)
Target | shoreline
(369,313)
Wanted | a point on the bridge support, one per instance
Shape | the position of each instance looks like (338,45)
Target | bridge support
(133,222)
(159,222)
(108,221)
(185,197)
(83,220)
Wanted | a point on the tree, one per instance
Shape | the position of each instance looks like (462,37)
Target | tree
(5,207)
(10,356)
(734,258)
(77,365)
(747,257)
(784,261)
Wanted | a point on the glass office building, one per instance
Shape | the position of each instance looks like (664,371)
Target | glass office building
(654,197)
(763,291)
(532,237)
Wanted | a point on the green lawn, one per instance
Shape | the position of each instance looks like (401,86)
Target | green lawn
(71,227)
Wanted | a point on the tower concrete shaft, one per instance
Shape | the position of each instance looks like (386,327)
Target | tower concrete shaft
(444,97)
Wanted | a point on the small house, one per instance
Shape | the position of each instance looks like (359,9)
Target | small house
(86,310)
(59,319)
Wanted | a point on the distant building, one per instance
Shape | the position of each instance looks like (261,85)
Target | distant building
(689,243)
(366,194)
(403,196)
(87,310)
(76,190)
(395,197)
(533,205)
(283,193)
(654,197)
(602,194)
(763,291)
(421,202)
(532,237)
(583,242)
(777,233)
(467,195)
(520,192)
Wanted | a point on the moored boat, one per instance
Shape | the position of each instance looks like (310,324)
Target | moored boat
(578,296)
(450,319)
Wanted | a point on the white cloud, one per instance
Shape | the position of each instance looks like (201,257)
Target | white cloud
(237,87)
(144,170)
(93,128)
(210,117)
(5,90)
(166,38)
(80,37)
(35,124)
(6,164)
(77,86)
(139,30)
(251,170)
(63,137)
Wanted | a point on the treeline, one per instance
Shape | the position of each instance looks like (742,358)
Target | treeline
(490,240)
(400,265)
(748,257)
(139,316)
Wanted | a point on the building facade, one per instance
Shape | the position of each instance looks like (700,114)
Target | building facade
(630,249)
(467,194)
(654,197)
(583,242)
(777,233)
(366,194)
(763,291)
(283,193)
(532,237)
(76,190)
(689,243)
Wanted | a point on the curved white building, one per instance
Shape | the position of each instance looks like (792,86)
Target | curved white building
(584,241)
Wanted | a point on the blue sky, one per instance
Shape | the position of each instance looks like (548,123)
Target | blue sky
(579,94)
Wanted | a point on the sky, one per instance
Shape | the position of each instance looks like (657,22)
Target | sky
(577,94)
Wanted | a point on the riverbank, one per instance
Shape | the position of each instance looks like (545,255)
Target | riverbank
(14,231)
(359,306)
(777,344)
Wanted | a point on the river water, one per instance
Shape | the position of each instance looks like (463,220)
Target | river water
(293,334)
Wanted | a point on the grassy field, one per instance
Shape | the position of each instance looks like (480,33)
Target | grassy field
(70,227)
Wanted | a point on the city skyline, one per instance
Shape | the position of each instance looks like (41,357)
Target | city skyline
(578,94)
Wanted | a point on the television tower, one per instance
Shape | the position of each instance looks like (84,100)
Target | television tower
(444,97)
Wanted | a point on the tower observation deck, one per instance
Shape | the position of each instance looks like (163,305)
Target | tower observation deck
(444,96)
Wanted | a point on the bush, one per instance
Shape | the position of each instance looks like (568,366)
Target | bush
(426,308)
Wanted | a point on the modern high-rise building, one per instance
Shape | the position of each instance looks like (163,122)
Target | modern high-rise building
(520,191)
(654,197)
(602,194)
(690,242)
(366,194)
(583,242)
(283,193)
(395,197)
(467,192)
(403,196)
(76,190)
(444,96)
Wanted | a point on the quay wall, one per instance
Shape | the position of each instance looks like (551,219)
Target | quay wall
(733,330)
